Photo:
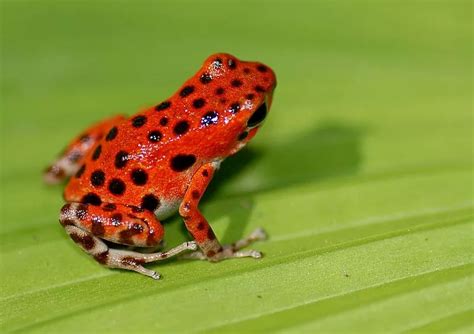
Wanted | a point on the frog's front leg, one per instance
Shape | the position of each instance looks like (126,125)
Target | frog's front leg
(87,224)
(197,225)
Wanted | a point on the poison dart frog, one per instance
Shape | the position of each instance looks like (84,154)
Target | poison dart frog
(128,173)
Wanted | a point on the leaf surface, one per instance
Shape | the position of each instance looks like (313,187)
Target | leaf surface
(362,174)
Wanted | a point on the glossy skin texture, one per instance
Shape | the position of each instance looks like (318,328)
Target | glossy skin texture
(130,172)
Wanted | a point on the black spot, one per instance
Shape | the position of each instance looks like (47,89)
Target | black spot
(65,210)
(109,207)
(250,96)
(210,253)
(209,118)
(150,202)
(181,127)
(84,138)
(138,228)
(121,159)
(220,91)
(210,234)
(116,219)
(136,209)
(186,91)
(97,178)
(205,78)
(236,83)
(217,63)
(139,177)
(181,162)
(116,186)
(92,199)
(199,103)
(80,171)
(201,226)
(234,108)
(66,222)
(205,173)
(138,121)
(97,152)
(131,261)
(195,194)
(81,211)
(154,136)
(243,135)
(97,228)
(102,258)
(86,241)
(259,89)
(246,70)
(163,106)
(56,171)
(232,64)
(262,68)
(258,116)
(112,134)
(164,121)
(74,156)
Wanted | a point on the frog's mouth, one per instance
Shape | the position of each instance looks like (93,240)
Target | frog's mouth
(258,116)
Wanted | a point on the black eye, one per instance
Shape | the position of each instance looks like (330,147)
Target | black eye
(258,116)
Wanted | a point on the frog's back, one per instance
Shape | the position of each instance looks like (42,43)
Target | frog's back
(152,155)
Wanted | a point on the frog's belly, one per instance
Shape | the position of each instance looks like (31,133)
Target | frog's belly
(167,209)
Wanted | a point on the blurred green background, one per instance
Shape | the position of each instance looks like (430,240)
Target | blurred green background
(362,174)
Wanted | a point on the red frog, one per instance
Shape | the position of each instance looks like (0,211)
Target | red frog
(130,173)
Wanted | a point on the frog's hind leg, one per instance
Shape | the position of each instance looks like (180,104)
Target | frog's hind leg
(70,160)
(197,225)
(87,224)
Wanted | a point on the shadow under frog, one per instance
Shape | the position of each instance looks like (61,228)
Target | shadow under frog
(329,150)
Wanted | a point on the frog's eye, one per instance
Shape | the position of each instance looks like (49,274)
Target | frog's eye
(258,116)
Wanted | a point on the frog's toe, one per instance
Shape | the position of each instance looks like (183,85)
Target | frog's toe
(155,275)
(248,253)
(192,245)
(258,234)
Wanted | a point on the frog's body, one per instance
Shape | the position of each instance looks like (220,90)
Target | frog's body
(130,172)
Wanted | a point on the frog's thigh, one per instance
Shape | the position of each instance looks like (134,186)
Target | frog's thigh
(200,229)
(74,219)
(115,222)
(70,160)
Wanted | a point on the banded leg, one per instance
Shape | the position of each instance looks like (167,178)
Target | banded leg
(70,159)
(118,223)
(87,225)
(197,225)
(121,259)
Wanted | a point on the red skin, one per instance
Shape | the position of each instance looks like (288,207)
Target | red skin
(207,143)
(248,84)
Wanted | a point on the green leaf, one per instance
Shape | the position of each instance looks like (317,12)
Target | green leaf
(362,174)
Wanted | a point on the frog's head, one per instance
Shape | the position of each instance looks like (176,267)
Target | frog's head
(242,94)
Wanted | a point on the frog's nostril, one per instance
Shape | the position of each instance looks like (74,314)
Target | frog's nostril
(258,116)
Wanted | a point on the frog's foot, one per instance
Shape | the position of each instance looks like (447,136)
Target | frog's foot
(122,259)
(233,250)
(88,225)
